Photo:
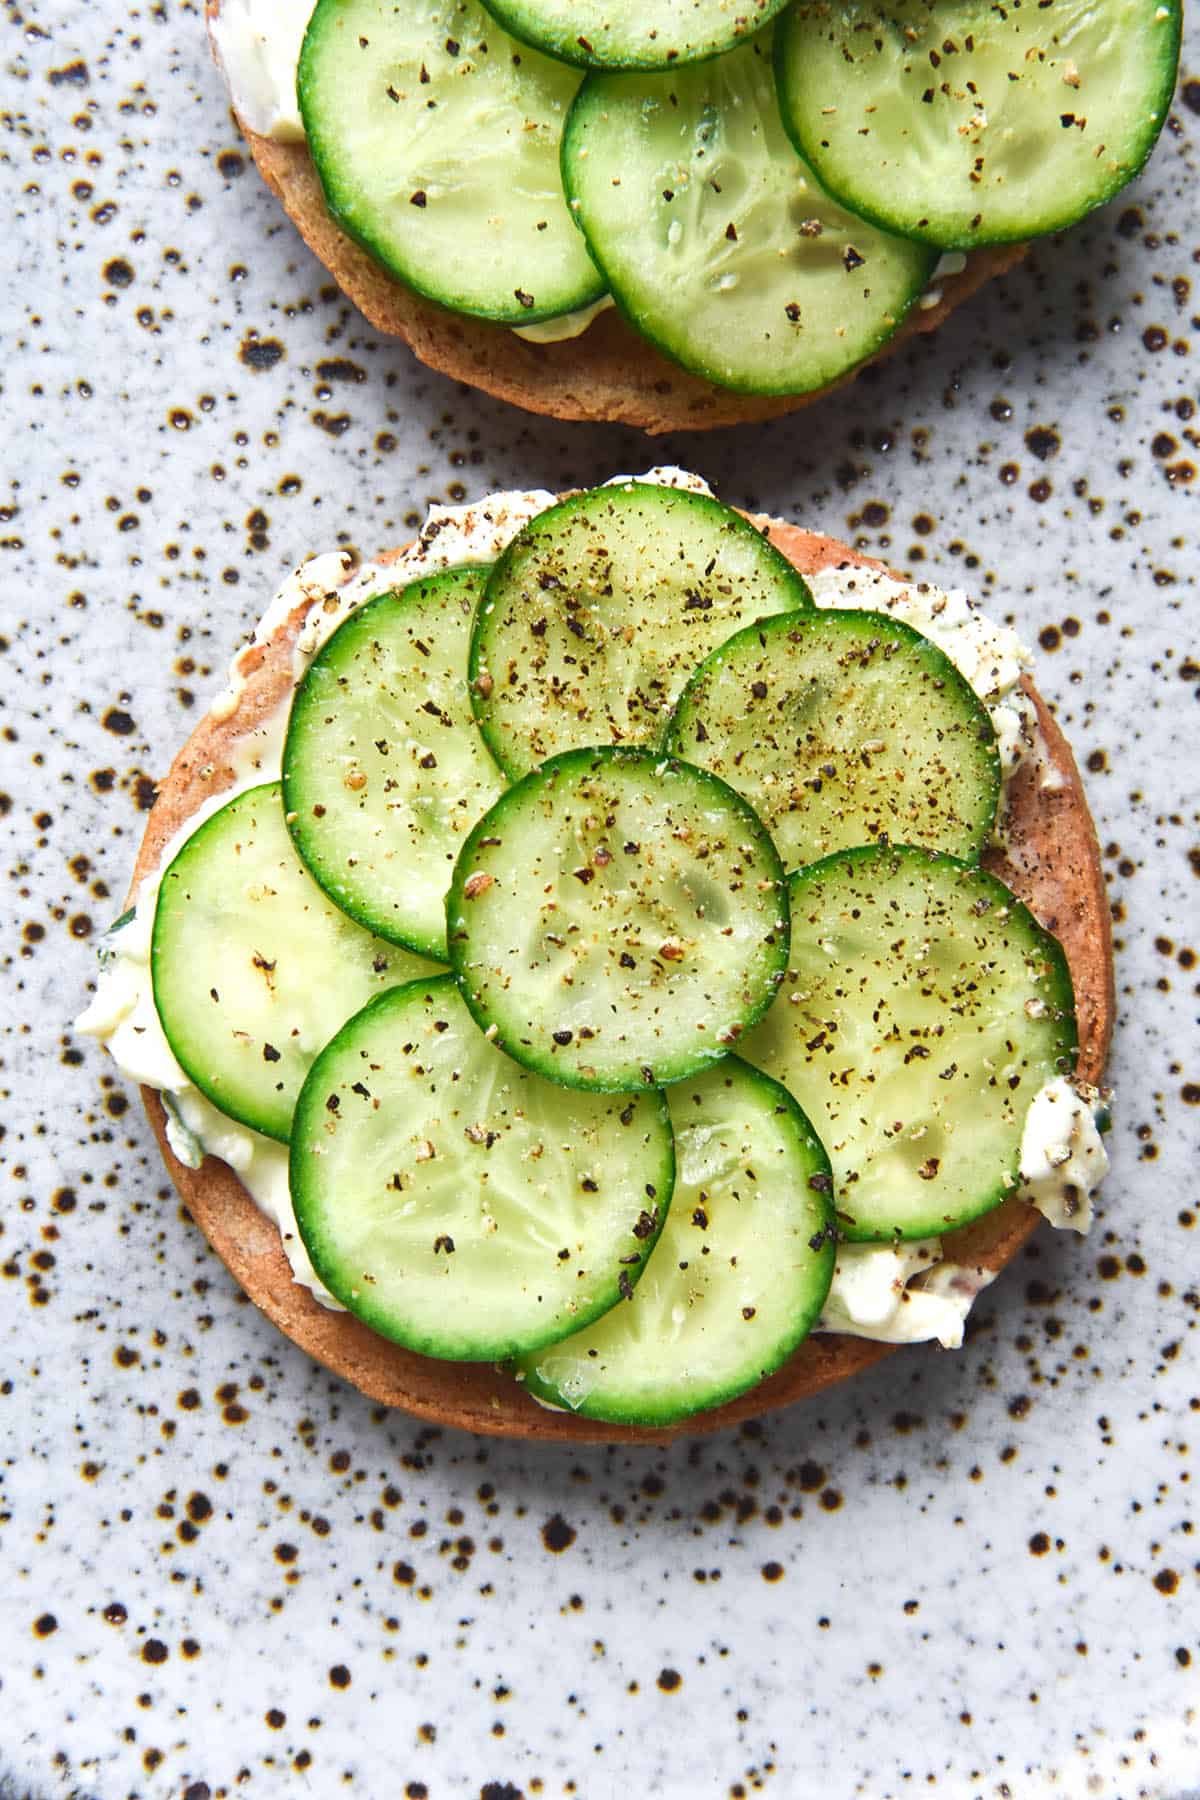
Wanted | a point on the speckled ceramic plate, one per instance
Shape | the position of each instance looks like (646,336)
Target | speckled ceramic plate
(968,1574)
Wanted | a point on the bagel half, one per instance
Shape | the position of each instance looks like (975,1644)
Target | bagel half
(1051,859)
(609,373)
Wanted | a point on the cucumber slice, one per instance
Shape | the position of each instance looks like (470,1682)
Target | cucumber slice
(435,136)
(384,771)
(618,919)
(619,34)
(737,1279)
(253,968)
(923,1009)
(978,123)
(715,238)
(599,610)
(844,728)
(459,1205)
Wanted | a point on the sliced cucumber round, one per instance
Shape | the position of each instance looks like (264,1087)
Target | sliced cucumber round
(924,1007)
(716,239)
(737,1279)
(384,769)
(436,136)
(459,1205)
(254,969)
(599,610)
(843,727)
(618,919)
(626,34)
(978,123)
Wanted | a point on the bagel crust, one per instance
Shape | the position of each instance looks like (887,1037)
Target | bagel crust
(608,373)
(1050,859)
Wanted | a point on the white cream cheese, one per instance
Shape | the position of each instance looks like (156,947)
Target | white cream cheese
(1063,1159)
(894,1293)
(257,43)
(901,1293)
(566,325)
(951,262)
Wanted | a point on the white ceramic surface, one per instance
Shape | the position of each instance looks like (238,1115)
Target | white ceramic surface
(223,1572)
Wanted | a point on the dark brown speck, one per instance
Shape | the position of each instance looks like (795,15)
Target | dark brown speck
(557,1535)
(260,353)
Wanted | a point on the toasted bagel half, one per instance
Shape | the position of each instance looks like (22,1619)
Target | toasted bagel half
(1051,860)
(607,374)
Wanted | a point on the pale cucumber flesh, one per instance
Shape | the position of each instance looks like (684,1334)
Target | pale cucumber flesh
(459,1205)
(717,240)
(254,968)
(435,136)
(598,612)
(923,1010)
(618,918)
(384,769)
(737,1278)
(977,123)
(840,728)
(626,34)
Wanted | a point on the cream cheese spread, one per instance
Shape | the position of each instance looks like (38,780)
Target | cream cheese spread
(901,1293)
(898,1294)
(950,263)
(566,325)
(1063,1159)
(257,43)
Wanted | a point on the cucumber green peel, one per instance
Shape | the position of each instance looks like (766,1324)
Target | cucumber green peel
(383,771)
(455,1203)
(716,239)
(924,1008)
(737,1279)
(618,918)
(976,123)
(844,727)
(633,34)
(598,611)
(254,968)
(435,137)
